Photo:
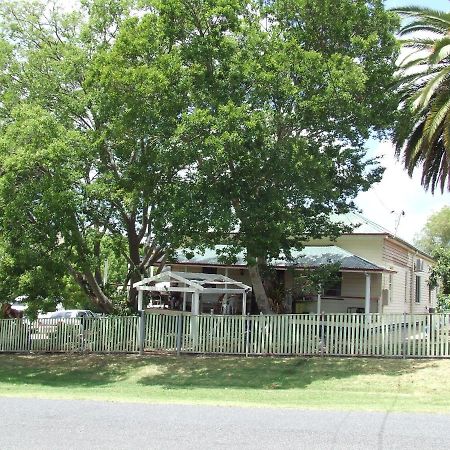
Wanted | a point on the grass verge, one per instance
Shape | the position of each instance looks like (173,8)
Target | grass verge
(330,383)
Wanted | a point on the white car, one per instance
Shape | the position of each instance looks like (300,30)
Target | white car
(71,314)
(48,323)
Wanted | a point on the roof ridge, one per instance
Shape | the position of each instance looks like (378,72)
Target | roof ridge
(371,222)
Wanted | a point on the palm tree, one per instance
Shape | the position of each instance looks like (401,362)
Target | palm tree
(423,134)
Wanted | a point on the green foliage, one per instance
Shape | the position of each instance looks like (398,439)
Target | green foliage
(440,272)
(435,239)
(90,169)
(436,232)
(316,281)
(130,129)
(443,303)
(422,135)
(268,131)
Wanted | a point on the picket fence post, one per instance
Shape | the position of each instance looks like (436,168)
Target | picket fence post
(179,332)
(404,336)
(247,330)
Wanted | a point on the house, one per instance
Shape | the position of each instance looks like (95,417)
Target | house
(403,285)
(378,272)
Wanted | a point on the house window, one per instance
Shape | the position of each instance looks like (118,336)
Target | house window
(418,293)
(418,266)
(335,289)
(406,286)
(211,270)
(391,286)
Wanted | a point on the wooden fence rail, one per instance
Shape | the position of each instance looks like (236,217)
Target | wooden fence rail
(297,334)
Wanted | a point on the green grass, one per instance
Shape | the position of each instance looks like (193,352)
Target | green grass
(333,383)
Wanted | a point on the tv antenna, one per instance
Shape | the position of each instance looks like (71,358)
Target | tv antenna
(399,215)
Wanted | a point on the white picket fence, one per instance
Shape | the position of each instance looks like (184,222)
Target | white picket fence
(112,334)
(334,334)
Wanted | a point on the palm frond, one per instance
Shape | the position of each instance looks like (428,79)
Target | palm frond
(432,171)
(417,47)
(418,11)
(441,50)
(425,94)
(446,133)
(442,172)
(411,153)
(434,123)
(415,81)
(428,42)
(423,86)
(420,27)
(413,62)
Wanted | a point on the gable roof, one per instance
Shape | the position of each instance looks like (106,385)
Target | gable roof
(200,282)
(309,257)
(361,224)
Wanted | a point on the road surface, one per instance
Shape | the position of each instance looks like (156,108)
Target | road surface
(76,424)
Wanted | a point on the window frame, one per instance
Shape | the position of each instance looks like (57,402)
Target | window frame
(417,289)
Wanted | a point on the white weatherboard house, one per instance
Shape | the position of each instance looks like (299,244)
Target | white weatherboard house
(379,272)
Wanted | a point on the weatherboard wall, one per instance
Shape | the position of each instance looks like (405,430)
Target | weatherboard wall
(397,291)
(369,247)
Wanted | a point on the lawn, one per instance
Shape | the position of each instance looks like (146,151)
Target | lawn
(333,383)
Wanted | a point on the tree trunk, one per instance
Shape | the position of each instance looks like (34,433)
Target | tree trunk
(100,299)
(287,303)
(258,289)
(132,292)
(136,268)
(97,297)
(97,273)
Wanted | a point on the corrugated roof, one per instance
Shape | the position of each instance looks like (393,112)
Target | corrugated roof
(310,256)
(360,223)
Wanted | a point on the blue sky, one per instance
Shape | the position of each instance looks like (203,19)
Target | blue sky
(398,192)
(436,4)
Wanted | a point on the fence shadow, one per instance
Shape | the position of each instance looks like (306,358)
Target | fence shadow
(190,372)
(268,372)
(63,370)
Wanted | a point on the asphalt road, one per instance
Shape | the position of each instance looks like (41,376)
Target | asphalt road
(61,424)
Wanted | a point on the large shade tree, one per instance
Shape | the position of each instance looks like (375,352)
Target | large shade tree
(292,92)
(136,129)
(423,136)
(90,164)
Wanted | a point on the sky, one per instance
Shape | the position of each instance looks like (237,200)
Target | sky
(397,192)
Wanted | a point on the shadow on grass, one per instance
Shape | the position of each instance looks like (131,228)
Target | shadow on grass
(65,370)
(170,372)
(269,372)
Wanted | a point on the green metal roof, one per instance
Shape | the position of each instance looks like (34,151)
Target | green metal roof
(310,256)
(360,224)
